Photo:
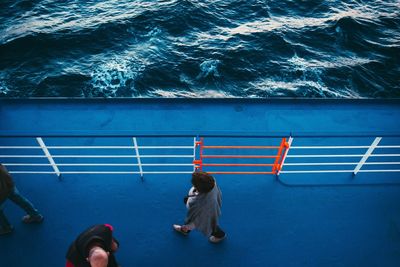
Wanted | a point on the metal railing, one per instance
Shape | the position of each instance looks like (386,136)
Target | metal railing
(225,155)
(361,159)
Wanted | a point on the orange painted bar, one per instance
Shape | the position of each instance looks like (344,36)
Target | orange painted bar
(234,156)
(240,172)
(243,147)
(237,164)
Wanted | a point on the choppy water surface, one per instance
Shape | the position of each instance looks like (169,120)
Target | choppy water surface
(181,48)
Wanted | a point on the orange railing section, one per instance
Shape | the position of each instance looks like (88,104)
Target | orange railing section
(273,167)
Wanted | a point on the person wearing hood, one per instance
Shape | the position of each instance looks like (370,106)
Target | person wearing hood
(204,208)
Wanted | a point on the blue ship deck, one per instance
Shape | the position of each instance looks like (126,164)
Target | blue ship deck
(296,219)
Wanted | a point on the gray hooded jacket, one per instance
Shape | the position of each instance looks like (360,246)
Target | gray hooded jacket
(205,210)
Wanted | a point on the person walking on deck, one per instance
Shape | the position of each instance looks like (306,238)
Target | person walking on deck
(204,208)
(8,190)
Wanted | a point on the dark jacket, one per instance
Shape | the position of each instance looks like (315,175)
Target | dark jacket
(6,183)
(79,249)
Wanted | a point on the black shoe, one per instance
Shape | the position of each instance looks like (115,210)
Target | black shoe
(7,230)
(32,219)
(216,240)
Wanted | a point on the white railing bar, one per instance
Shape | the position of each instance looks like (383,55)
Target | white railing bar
(338,171)
(100,172)
(327,147)
(322,156)
(339,147)
(97,156)
(48,155)
(319,171)
(21,147)
(385,155)
(127,164)
(337,156)
(99,164)
(286,152)
(341,163)
(122,156)
(97,147)
(119,147)
(382,163)
(23,156)
(33,172)
(367,154)
(392,170)
(28,164)
(138,156)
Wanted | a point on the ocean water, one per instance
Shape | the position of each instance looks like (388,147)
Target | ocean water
(182,48)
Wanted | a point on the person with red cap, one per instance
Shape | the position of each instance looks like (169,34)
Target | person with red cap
(94,247)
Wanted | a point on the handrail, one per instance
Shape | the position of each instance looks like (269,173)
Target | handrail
(285,158)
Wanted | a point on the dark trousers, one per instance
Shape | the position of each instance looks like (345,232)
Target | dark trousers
(21,201)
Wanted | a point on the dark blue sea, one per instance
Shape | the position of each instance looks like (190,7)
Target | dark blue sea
(182,48)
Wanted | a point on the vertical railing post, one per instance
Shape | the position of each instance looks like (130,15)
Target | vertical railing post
(275,167)
(48,155)
(367,154)
(289,143)
(194,153)
(138,157)
(198,163)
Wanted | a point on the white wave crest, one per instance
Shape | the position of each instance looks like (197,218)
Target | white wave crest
(331,62)
(209,68)
(115,74)
(4,90)
(280,88)
(190,94)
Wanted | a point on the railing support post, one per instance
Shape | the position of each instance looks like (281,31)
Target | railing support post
(138,157)
(198,163)
(289,144)
(49,157)
(276,165)
(367,154)
(194,153)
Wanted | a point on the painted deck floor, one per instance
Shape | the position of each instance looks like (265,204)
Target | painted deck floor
(329,219)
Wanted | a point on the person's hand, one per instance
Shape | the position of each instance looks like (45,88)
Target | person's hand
(114,246)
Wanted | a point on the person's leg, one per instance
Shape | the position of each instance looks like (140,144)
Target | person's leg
(217,235)
(184,229)
(6,227)
(25,204)
(218,232)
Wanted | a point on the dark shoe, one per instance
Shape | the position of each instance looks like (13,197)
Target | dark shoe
(7,230)
(215,240)
(32,219)
(179,229)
